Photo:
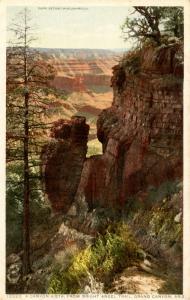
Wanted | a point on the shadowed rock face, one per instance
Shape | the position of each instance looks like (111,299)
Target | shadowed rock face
(141,132)
(141,135)
(63,160)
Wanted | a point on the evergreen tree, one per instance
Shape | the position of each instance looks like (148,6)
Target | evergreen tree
(27,111)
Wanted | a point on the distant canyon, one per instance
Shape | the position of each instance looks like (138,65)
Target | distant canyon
(85,75)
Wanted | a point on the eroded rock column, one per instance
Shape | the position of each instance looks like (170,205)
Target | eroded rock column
(63,160)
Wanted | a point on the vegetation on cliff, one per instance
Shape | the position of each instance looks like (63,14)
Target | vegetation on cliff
(153,23)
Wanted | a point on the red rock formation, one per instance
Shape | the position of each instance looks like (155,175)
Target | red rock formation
(80,70)
(75,83)
(141,133)
(63,160)
(80,83)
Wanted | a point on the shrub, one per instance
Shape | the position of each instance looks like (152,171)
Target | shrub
(109,254)
(62,283)
(70,280)
(166,189)
(131,61)
(81,263)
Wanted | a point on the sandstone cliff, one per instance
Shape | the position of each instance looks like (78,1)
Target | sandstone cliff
(141,133)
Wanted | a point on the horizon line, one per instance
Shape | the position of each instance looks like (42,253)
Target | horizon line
(85,48)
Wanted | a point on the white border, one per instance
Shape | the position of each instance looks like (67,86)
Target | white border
(65,3)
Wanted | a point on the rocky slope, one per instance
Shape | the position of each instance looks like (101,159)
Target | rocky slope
(59,240)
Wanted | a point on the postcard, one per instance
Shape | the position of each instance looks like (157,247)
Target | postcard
(95,149)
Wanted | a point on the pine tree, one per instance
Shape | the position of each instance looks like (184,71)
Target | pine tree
(27,108)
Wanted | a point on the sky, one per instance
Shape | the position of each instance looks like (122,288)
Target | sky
(77,27)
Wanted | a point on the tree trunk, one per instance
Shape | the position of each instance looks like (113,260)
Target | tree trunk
(26,210)
(26,204)
(158,38)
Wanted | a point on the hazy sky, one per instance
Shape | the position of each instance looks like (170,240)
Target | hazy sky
(85,27)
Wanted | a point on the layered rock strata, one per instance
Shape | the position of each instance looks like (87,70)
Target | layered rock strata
(141,134)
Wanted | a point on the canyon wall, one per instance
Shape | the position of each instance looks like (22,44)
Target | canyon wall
(80,83)
(80,69)
(141,133)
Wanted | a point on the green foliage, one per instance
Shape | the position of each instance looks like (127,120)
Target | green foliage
(131,61)
(109,254)
(144,25)
(155,196)
(162,225)
(54,91)
(149,23)
(167,189)
(173,20)
(133,205)
(159,220)
(62,283)
(14,205)
(65,282)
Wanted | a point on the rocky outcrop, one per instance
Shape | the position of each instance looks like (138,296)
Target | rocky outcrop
(52,244)
(63,160)
(141,132)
